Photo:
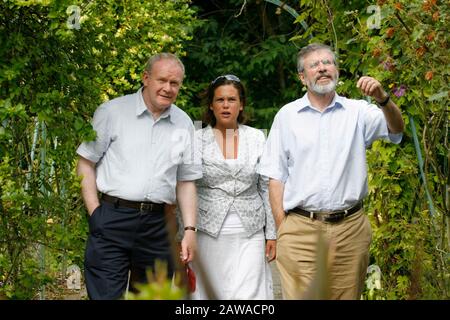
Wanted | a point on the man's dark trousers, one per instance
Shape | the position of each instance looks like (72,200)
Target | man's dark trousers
(121,239)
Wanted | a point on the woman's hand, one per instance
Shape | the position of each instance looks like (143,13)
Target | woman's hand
(271,250)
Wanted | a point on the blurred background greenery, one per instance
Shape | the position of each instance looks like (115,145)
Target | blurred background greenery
(60,59)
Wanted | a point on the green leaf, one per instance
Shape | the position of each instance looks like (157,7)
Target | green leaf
(439,96)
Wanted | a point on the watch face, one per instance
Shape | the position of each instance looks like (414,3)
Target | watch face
(383,103)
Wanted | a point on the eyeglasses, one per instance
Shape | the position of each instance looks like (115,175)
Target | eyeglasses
(230,77)
(325,62)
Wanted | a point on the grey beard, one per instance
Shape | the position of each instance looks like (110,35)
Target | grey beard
(324,89)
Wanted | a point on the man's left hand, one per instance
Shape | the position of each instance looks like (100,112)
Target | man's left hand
(372,87)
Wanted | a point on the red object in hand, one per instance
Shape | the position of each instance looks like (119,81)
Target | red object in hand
(191,279)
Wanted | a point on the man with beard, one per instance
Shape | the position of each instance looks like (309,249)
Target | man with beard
(315,159)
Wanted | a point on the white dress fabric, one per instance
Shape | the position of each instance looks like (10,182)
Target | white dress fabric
(237,267)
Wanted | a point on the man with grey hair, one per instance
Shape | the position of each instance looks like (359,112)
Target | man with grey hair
(140,162)
(315,159)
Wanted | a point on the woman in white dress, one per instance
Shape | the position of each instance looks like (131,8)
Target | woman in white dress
(236,230)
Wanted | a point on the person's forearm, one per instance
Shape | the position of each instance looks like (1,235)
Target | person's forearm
(393,117)
(276,191)
(86,169)
(370,86)
(187,202)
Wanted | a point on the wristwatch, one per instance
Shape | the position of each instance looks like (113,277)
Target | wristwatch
(190,228)
(385,102)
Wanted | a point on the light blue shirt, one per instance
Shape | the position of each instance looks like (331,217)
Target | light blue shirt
(321,156)
(138,158)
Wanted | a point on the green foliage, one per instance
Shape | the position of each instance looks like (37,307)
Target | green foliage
(252,44)
(159,286)
(406,52)
(55,69)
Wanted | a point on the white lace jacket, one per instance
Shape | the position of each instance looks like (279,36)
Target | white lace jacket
(223,186)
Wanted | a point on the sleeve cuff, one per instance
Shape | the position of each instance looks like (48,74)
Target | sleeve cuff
(273,175)
(395,137)
(190,177)
(85,153)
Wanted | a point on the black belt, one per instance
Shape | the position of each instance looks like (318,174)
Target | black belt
(331,217)
(138,205)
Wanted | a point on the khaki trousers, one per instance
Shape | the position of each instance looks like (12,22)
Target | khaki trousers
(348,257)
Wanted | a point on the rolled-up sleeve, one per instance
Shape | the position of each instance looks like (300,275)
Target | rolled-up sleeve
(273,163)
(375,126)
(190,168)
(94,150)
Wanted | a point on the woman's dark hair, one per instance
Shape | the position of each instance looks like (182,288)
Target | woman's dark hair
(208,97)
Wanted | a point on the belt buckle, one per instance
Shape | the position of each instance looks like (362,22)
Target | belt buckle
(146,207)
(334,217)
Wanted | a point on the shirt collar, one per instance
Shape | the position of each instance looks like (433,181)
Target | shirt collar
(305,103)
(141,107)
